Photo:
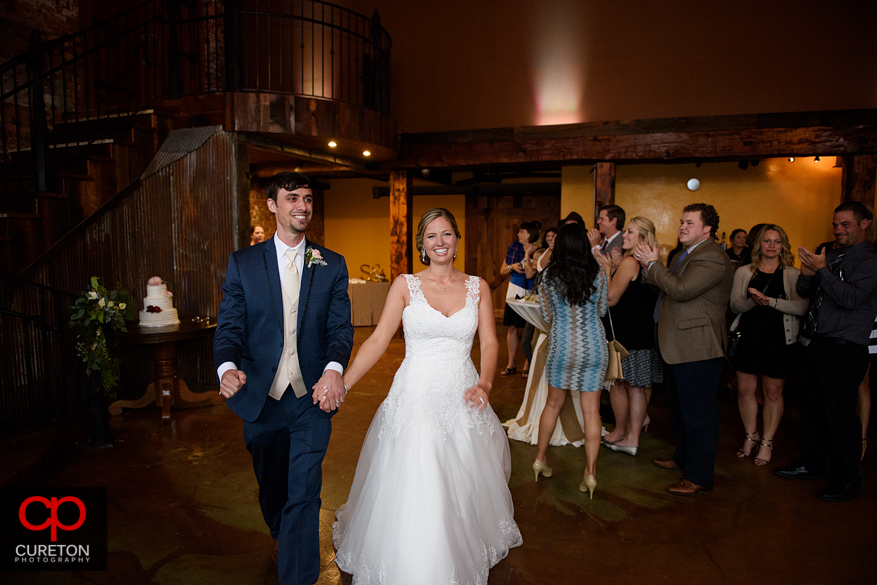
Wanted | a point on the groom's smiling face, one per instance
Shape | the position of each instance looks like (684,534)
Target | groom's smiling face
(293,210)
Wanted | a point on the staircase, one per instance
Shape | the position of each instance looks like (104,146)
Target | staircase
(88,165)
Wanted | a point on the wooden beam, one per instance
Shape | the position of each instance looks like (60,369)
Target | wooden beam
(858,178)
(604,187)
(489,189)
(662,140)
(401,224)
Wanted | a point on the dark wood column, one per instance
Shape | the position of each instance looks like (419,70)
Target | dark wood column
(859,177)
(401,220)
(604,186)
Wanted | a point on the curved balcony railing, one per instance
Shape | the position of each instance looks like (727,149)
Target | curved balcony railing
(168,49)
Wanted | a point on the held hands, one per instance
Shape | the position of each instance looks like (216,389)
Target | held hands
(645,254)
(476,396)
(329,391)
(758,297)
(810,262)
(232,381)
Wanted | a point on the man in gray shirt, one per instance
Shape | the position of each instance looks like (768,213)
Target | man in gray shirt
(842,286)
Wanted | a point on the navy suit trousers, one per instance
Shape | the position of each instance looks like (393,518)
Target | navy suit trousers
(288,443)
(691,389)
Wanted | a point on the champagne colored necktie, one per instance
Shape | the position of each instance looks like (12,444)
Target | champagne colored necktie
(290,278)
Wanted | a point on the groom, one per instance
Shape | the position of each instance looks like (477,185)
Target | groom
(282,339)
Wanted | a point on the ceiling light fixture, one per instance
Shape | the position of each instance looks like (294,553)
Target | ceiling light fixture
(366,153)
(791,159)
(332,144)
(816,159)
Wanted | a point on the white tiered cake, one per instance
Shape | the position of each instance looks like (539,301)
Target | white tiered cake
(158,305)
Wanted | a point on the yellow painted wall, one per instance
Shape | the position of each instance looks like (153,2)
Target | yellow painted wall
(799,196)
(358,226)
(577,192)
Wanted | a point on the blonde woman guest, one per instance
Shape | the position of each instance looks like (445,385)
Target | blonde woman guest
(573,297)
(769,308)
(633,322)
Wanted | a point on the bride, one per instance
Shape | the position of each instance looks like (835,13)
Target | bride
(430,502)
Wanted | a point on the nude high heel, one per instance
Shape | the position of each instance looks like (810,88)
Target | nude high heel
(589,485)
(539,467)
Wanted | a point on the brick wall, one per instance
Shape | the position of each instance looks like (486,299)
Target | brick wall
(53,18)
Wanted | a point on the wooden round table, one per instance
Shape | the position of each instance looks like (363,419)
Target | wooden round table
(167,390)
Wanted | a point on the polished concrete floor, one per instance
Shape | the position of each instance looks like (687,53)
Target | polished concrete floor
(183,507)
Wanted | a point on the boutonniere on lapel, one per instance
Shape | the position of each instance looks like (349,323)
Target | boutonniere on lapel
(314,257)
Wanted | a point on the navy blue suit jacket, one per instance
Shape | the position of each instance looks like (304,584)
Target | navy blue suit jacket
(249,329)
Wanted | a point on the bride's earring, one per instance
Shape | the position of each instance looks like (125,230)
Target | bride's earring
(423,256)
(455,253)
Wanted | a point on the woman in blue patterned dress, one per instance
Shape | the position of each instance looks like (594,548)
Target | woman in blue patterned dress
(573,294)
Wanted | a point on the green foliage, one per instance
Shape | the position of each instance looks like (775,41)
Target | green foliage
(96,315)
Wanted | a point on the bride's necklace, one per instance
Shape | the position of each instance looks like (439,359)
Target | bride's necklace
(437,281)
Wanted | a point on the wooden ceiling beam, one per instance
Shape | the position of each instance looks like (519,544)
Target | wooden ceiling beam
(663,140)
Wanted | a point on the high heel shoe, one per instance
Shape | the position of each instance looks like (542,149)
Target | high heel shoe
(646,424)
(589,485)
(740,452)
(765,443)
(539,467)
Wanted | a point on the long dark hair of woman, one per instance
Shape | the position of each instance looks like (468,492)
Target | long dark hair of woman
(572,267)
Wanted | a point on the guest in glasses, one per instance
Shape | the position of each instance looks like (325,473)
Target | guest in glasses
(841,284)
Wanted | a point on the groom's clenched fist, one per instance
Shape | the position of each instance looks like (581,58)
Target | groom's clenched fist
(232,381)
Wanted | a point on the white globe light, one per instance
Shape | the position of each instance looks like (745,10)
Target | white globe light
(693,184)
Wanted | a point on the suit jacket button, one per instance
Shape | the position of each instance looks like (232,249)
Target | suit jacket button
(273,370)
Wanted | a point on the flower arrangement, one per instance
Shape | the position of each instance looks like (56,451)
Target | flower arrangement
(314,257)
(96,315)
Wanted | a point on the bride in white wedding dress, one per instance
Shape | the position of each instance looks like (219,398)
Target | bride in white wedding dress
(430,502)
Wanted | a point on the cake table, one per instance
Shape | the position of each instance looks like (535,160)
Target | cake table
(167,390)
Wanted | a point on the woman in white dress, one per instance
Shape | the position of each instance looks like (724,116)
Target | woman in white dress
(430,502)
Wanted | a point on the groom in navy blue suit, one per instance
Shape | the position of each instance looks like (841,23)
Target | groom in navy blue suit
(282,339)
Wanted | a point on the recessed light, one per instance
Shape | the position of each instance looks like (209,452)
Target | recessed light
(791,159)
(366,153)
(816,159)
(332,144)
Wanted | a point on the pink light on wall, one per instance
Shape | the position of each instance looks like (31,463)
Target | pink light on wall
(558,64)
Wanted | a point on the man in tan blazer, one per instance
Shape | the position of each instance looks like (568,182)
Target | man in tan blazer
(691,338)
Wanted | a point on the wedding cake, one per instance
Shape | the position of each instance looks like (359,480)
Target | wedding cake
(158,305)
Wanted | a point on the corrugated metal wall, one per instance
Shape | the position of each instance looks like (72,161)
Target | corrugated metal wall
(180,223)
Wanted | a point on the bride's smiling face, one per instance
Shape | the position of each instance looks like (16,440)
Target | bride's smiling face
(439,241)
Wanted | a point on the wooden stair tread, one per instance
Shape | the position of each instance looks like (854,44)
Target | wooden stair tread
(20,216)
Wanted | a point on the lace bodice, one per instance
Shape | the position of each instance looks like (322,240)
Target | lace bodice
(428,388)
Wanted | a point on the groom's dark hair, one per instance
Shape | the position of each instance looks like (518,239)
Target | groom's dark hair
(289,181)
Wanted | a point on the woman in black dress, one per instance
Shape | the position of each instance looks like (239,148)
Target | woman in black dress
(768,309)
(633,308)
